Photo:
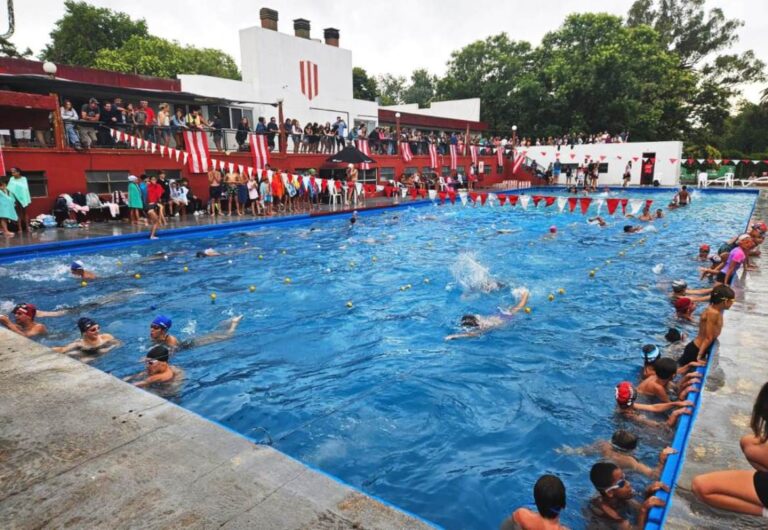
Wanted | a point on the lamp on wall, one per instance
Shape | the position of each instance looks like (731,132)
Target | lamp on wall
(49,68)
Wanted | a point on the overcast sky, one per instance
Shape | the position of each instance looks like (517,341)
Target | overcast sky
(393,36)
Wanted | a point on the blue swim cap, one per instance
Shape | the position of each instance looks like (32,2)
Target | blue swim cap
(162,321)
(76,266)
(650,353)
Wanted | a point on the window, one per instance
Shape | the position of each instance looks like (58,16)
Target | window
(106,181)
(411,170)
(446,171)
(460,170)
(487,169)
(239,114)
(38,183)
(367,176)
(223,113)
(387,173)
(499,170)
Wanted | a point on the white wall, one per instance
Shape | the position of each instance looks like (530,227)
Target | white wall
(457,109)
(667,172)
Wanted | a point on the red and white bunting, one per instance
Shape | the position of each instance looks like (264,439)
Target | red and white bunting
(197,151)
(2,162)
(454,157)
(405,151)
(473,154)
(518,163)
(259,150)
(500,155)
(362,146)
(433,156)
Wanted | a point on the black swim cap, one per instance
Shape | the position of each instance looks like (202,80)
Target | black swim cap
(624,440)
(470,321)
(627,228)
(200,254)
(159,353)
(85,323)
(673,335)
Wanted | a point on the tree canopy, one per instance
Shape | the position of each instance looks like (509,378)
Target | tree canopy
(8,49)
(421,90)
(84,30)
(164,58)
(363,86)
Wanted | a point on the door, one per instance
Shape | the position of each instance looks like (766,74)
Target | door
(647,169)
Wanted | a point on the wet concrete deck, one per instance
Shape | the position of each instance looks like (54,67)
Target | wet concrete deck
(82,449)
(727,401)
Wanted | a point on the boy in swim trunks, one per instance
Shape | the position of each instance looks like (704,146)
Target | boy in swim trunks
(481,324)
(710,325)
(25,325)
(658,384)
(616,500)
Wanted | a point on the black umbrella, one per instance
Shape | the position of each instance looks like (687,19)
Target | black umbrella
(350,155)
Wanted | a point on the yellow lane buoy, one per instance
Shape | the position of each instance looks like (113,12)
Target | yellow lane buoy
(137,276)
(607,262)
(186,269)
(283,252)
(261,257)
(561,291)
(252,288)
(527,310)
(349,304)
(592,274)
(351,263)
(213,296)
(374,258)
(287,280)
(83,284)
(551,297)
(426,280)
(119,263)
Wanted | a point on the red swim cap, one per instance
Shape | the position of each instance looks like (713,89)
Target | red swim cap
(553,229)
(625,394)
(704,247)
(28,309)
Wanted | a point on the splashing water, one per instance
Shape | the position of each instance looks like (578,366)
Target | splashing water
(658,268)
(471,275)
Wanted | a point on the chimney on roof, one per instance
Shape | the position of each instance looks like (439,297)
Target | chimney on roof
(301,28)
(331,36)
(268,18)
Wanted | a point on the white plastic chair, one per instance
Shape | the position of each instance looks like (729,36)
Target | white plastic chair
(753,181)
(335,196)
(703,179)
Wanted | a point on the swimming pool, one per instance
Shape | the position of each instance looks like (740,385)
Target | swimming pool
(456,432)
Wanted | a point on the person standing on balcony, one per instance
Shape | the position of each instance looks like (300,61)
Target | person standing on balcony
(19,188)
(140,121)
(218,125)
(177,127)
(261,126)
(110,118)
(341,132)
(91,113)
(69,117)
(144,105)
(241,137)
(272,129)
(164,124)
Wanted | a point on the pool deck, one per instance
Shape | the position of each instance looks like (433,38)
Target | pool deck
(82,449)
(727,401)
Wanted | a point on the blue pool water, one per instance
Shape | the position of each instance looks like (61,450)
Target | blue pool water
(456,432)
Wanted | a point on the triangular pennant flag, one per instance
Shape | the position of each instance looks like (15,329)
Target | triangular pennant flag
(359,188)
(624,205)
(718,161)
(602,157)
(700,160)
(502,199)
(483,198)
(585,202)
(473,196)
(512,199)
(231,166)
(432,194)
(673,160)
(132,141)
(120,136)
(635,205)
(549,201)
(537,199)
(599,203)
(162,152)
(524,200)
(557,154)
(572,203)
(726,160)
(240,168)
(573,155)
(413,192)
(635,158)
(463,197)
(177,153)
(379,187)
(305,180)
(691,161)
(745,161)
(442,196)
(186,156)
(140,143)
(612,204)
(452,196)
(561,202)
(543,153)
(153,147)
(250,171)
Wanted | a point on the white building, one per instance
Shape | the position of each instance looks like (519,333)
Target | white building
(664,159)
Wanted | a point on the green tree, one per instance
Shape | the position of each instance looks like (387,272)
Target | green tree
(498,71)
(363,86)
(164,58)
(8,49)
(84,30)
(700,39)
(421,90)
(607,76)
(390,89)
(747,130)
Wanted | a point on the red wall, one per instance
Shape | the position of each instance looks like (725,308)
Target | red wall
(65,169)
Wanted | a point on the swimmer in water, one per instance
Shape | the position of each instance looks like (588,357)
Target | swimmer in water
(680,290)
(78,269)
(159,369)
(646,215)
(659,213)
(91,343)
(598,221)
(207,253)
(158,333)
(96,303)
(626,397)
(479,324)
(25,325)
(630,229)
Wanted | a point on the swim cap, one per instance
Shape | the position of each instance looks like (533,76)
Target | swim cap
(742,237)
(85,323)
(470,321)
(76,266)
(682,304)
(704,248)
(716,259)
(132,178)
(28,309)
(158,353)
(162,321)
(200,254)
(673,335)
(762,226)
(679,286)
(553,229)
(650,353)
(721,293)
(625,394)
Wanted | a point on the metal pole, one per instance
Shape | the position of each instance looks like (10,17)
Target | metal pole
(282,139)
(58,124)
